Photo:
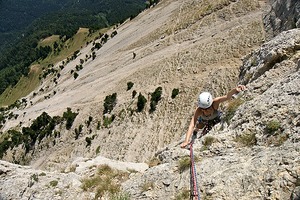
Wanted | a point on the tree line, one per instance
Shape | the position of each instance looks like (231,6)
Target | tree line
(16,59)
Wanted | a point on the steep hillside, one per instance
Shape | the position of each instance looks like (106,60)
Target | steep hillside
(17,16)
(189,45)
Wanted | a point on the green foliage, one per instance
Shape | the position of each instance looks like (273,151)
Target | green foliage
(78,131)
(183,195)
(43,126)
(30,22)
(89,121)
(98,150)
(98,125)
(141,103)
(53,183)
(75,75)
(133,93)
(88,141)
(120,196)
(42,174)
(297,182)
(109,103)
(151,2)
(107,120)
(70,117)
(184,164)
(34,177)
(175,92)
(129,85)
(272,127)
(155,97)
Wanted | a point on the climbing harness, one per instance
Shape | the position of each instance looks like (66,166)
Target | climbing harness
(194,189)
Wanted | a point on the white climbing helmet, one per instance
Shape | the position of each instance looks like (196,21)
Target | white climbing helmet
(205,100)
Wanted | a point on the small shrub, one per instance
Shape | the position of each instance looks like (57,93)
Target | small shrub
(297,182)
(88,122)
(147,186)
(141,103)
(98,150)
(109,103)
(183,195)
(42,174)
(98,125)
(247,139)
(35,177)
(93,55)
(129,85)
(88,141)
(70,117)
(120,196)
(105,169)
(78,131)
(53,183)
(133,93)
(73,168)
(155,97)
(272,127)
(175,92)
(108,120)
(184,163)
(208,140)
(277,140)
(75,75)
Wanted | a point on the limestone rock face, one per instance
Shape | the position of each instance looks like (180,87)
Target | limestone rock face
(232,167)
(21,182)
(282,15)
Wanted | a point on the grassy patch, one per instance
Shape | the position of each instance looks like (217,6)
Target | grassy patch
(120,196)
(183,195)
(184,164)
(272,127)
(31,82)
(23,87)
(53,183)
(106,180)
(147,186)
(208,141)
(246,139)
(153,162)
(277,140)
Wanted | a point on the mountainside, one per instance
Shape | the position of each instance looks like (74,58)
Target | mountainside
(24,23)
(16,16)
(188,45)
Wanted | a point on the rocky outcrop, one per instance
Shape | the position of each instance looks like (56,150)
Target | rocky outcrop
(282,16)
(21,182)
(30,183)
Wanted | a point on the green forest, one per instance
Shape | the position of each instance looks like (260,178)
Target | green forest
(23,23)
